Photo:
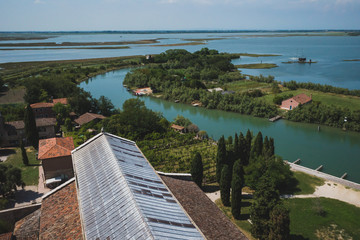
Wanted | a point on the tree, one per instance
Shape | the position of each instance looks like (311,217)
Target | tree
(225,184)
(257,148)
(275,88)
(236,189)
(220,158)
(182,121)
(105,106)
(248,140)
(23,153)
(197,169)
(68,124)
(31,132)
(279,223)
(243,150)
(236,148)
(265,199)
(62,112)
(10,179)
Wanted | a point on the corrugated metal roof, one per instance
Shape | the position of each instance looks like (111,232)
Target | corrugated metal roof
(122,197)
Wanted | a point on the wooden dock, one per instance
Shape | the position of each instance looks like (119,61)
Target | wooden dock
(297,161)
(273,119)
(319,168)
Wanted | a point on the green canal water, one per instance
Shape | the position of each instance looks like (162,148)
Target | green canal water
(336,150)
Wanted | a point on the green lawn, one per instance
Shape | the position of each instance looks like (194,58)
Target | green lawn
(323,218)
(244,85)
(351,102)
(307,183)
(30,174)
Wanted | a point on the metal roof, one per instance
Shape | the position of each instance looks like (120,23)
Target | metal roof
(122,197)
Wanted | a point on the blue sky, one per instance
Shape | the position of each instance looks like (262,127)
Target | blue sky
(83,15)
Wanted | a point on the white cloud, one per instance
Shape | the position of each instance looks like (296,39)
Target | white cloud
(38,2)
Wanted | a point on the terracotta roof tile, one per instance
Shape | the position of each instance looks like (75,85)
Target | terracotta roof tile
(207,216)
(88,117)
(28,227)
(6,236)
(60,216)
(40,122)
(302,98)
(44,122)
(55,147)
(177,127)
(17,124)
(42,105)
(60,100)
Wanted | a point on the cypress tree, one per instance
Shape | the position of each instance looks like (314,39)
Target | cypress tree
(257,149)
(236,148)
(271,147)
(279,223)
(31,132)
(266,147)
(23,153)
(225,184)
(197,169)
(220,157)
(265,199)
(243,150)
(248,139)
(236,189)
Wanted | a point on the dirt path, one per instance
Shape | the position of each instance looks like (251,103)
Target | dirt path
(335,191)
(328,190)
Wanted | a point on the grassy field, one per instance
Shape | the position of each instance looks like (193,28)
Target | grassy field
(310,218)
(257,66)
(245,85)
(323,218)
(15,95)
(307,183)
(30,173)
(351,102)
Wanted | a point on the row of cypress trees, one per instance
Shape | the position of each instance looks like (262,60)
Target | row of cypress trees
(234,161)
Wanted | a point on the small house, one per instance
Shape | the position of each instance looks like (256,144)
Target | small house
(55,154)
(178,128)
(291,103)
(45,109)
(88,117)
(143,91)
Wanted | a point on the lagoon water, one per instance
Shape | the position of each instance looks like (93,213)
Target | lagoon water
(338,151)
(328,51)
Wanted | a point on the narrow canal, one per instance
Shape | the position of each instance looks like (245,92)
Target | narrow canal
(338,151)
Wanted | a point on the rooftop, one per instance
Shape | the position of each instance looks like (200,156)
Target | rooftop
(121,196)
(40,122)
(60,217)
(60,100)
(302,98)
(207,216)
(55,147)
(88,117)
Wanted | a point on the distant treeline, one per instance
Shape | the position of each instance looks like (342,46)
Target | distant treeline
(292,85)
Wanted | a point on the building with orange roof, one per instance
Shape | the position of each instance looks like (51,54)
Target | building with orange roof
(55,154)
(45,109)
(291,103)
(88,117)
